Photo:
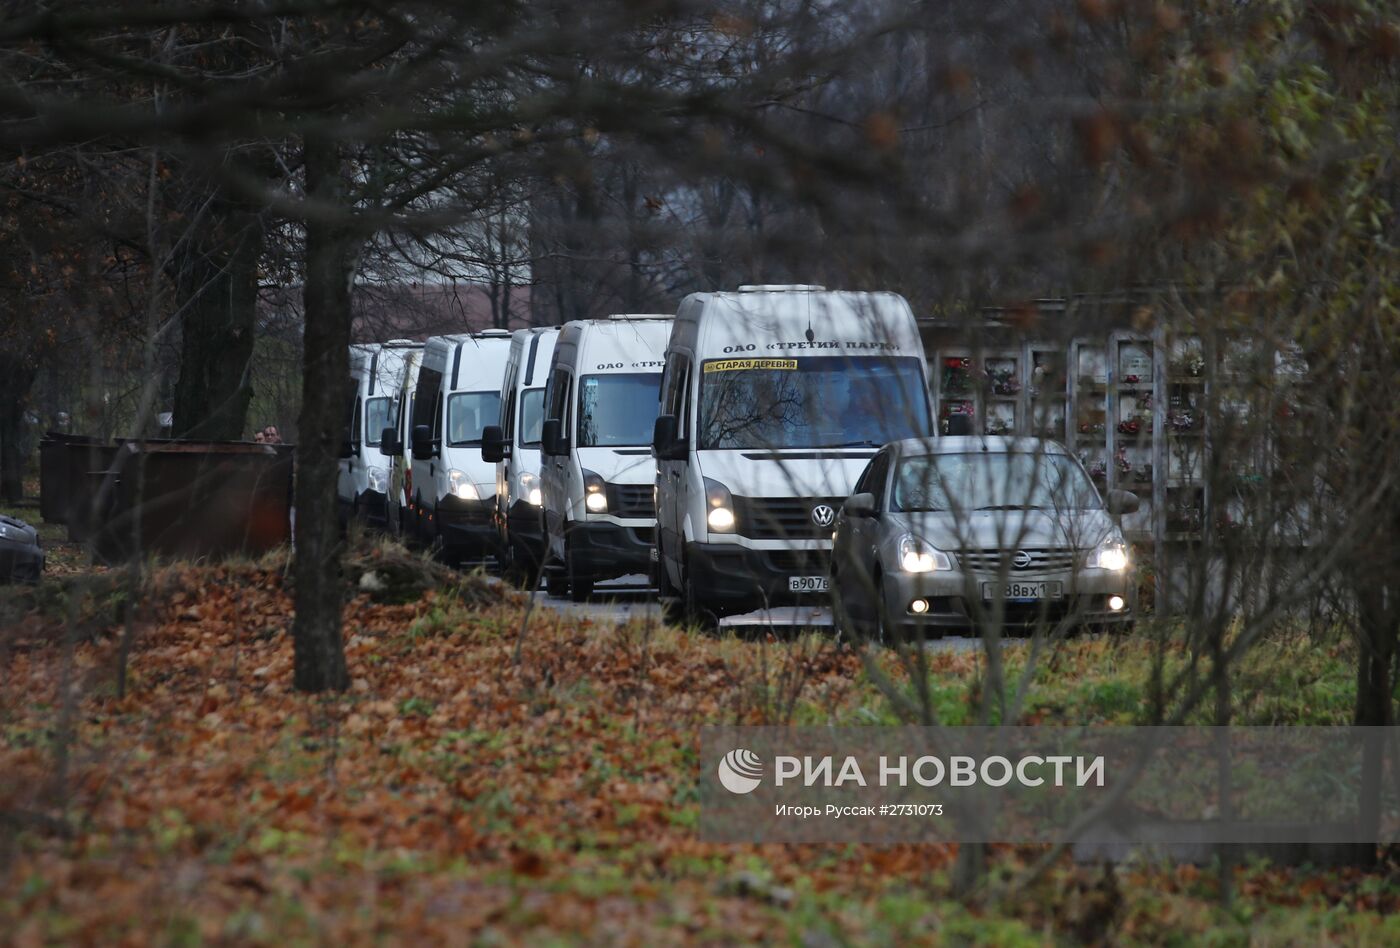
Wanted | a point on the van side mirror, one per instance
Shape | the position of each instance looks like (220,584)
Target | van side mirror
(423,448)
(389,445)
(493,444)
(552,441)
(1122,502)
(666,443)
(860,505)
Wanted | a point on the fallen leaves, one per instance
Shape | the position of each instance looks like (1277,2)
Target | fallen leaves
(450,793)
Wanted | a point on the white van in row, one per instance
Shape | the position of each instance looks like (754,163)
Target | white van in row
(773,401)
(514,447)
(395,450)
(457,397)
(376,376)
(598,473)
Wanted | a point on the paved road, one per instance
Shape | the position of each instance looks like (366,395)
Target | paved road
(630,597)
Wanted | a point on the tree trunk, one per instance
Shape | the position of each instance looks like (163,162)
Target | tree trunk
(217,288)
(330,251)
(1374,705)
(16,378)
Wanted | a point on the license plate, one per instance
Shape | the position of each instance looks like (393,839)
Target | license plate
(1016,591)
(807,584)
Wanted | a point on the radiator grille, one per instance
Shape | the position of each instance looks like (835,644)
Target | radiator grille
(1042,560)
(632,501)
(784,518)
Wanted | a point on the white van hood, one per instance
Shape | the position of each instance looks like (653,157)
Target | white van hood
(759,473)
(619,465)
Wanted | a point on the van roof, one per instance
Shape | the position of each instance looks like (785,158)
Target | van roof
(799,321)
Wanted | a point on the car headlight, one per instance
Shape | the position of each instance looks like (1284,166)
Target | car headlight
(719,507)
(1111,554)
(461,485)
(527,488)
(378,479)
(595,493)
(918,556)
(10,533)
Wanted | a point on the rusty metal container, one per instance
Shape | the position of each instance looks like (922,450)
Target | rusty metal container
(188,499)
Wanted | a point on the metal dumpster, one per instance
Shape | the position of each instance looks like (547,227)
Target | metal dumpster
(54,485)
(189,499)
(87,494)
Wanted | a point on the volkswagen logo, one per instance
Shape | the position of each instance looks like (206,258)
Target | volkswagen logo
(823,515)
(1021,560)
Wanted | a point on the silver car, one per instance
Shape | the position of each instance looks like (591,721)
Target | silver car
(976,532)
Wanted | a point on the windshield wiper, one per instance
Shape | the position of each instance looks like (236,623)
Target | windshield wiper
(866,443)
(1009,507)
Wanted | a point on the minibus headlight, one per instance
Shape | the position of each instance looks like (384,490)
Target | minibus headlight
(1111,554)
(378,479)
(595,493)
(719,507)
(527,488)
(917,556)
(461,485)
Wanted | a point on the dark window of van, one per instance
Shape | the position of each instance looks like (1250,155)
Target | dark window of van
(425,398)
(378,415)
(355,431)
(531,416)
(618,410)
(468,414)
(558,395)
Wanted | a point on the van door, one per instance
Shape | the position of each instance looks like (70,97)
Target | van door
(671,474)
(420,482)
(554,468)
(347,473)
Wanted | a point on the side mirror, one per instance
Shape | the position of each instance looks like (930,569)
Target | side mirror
(493,444)
(666,443)
(552,440)
(860,505)
(1122,502)
(423,443)
(389,445)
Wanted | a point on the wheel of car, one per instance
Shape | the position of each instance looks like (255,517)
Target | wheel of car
(880,630)
(556,583)
(580,586)
(696,613)
(840,614)
(667,595)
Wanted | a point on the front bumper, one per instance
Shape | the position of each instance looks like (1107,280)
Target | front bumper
(609,550)
(955,600)
(20,563)
(525,532)
(731,579)
(466,527)
(373,507)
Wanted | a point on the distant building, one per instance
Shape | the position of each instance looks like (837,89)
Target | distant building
(410,310)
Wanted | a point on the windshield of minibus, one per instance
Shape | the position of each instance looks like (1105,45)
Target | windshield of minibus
(821,402)
(468,413)
(618,410)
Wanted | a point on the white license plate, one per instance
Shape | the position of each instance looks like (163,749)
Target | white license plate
(1017,591)
(807,584)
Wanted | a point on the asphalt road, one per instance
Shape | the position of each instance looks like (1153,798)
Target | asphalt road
(631,597)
